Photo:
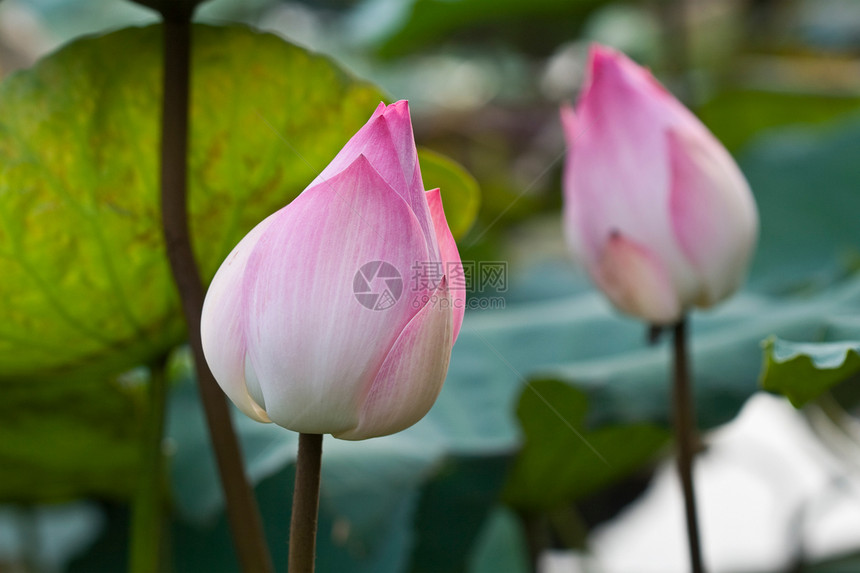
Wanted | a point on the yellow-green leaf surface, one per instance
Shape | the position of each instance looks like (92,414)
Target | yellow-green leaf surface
(86,291)
(85,276)
(461,195)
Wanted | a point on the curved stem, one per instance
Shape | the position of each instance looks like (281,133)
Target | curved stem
(306,501)
(535,525)
(686,437)
(242,510)
(147,517)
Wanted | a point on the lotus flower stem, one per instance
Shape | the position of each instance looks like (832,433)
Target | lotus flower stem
(242,510)
(147,517)
(306,501)
(686,437)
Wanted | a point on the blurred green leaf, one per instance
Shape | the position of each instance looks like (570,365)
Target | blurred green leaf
(468,486)
(461,195)
(500,548)
(581,341)
(47,537)
(386,503)
(736,117)
(86,281)
(805,182)
(562,460)
(86,286)
(844,563)
(538,26)
(803,371)
(67,437)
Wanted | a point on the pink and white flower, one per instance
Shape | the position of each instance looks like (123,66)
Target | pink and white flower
(655,208)
(290,326)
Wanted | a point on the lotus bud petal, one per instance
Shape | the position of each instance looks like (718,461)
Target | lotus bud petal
(655,208)
(313,322)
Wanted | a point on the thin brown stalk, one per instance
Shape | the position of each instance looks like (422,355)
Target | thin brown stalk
(242,510)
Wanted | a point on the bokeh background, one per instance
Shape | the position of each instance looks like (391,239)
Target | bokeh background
(549,447)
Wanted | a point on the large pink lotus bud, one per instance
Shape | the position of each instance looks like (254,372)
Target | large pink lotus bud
(655,207)
(314,320)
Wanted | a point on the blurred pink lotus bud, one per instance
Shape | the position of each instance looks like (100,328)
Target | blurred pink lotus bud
(317,320)
(655,207)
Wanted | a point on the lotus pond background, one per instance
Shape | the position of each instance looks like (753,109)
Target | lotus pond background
(550,442)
